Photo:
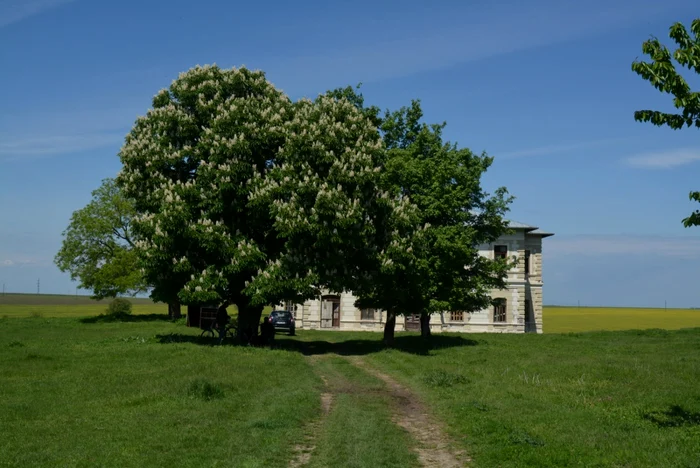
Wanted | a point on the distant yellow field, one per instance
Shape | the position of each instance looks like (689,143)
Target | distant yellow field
(556,319)
(52,306)
(48,305)
(78,310)
(573,319)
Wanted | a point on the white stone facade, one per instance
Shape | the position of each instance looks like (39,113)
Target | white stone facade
(522,298)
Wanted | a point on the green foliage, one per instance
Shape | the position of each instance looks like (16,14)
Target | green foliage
(663,75)
(435,265)
(119,307)
(247,197)
(356,98)
(694,218)
(97,247)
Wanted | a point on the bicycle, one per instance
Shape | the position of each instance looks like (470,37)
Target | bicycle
(230,331)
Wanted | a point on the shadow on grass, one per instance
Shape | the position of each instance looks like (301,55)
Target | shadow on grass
(412,344)
(107,318)
(172,338)
(675,416)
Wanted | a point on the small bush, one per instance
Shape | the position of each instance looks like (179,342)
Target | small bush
(35,314)
(203,389)
(441,378)
(119,307)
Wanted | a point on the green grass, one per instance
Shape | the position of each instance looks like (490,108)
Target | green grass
(574,319)
(145,394)
(358,432)
(590,399)
(149,392)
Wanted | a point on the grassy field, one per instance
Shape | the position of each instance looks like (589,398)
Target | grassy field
(149,392)
(134,394)
(591,399)
(588,399)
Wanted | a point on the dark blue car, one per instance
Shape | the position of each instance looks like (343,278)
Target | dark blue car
(283,320)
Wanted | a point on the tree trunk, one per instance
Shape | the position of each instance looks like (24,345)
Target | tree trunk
(389,328)
(425,325)
(248,322)
(193,318)
(174,310)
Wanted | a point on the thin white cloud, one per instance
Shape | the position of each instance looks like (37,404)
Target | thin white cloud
(558,149)
(670,246)
(18,262)
(665,159)
(12,11)
(33,135)
(465,34)
(16,149)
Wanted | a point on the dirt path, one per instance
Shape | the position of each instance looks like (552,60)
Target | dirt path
(434,447)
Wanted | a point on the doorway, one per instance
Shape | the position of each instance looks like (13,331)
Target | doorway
(412,322)
(330,312)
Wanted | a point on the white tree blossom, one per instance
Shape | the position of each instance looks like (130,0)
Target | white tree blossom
(246,196)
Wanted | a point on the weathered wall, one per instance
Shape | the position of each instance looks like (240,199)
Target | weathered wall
(520,287)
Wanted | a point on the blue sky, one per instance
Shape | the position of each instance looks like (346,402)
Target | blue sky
(545,86)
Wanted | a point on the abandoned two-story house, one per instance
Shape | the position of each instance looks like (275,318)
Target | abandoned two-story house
(518,307)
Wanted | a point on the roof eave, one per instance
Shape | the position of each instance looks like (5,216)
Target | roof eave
(541,234)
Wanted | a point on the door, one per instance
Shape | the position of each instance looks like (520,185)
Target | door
(336,314)
(326,314)
(330,311)
(412,322)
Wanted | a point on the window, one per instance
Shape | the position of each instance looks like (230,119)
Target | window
(499,310)
(500,251)
(367,314)
(457,316)
(527,262)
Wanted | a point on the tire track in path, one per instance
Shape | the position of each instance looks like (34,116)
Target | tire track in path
(433,447)
(304,450)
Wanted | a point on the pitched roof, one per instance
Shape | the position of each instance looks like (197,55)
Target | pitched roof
(519,225)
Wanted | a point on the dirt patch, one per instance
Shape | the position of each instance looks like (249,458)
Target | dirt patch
(434,447)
